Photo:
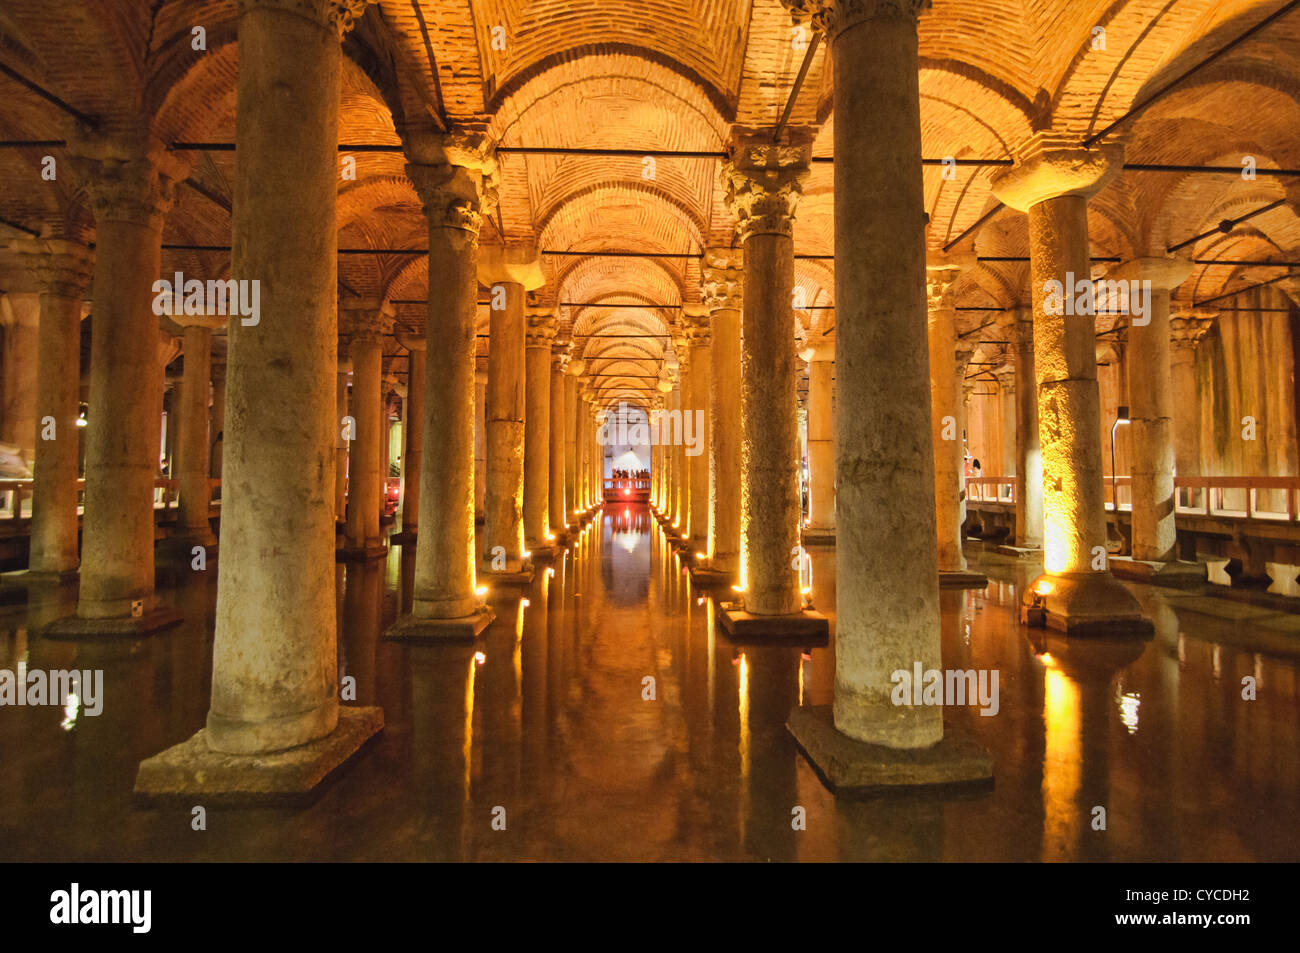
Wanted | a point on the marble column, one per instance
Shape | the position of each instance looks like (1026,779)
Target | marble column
(62,269)
(722,281)
(947,373)
(455,177)
(1151,405)
(20,314)
(673,451)
(583,439)
(1052,183)
(480,445)
(821,439)
(509,273)
(695,319)
(365,321)
(130,189)
(217,421)
(343,434)
(1187,328)
(413,434)
(191,420)
(539,338)
(275,663)
(1019,327)
(764,182)
(557,507)
(575,367)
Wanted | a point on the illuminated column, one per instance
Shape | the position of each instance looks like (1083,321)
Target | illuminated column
(1029,459)
(21,319)
(193,523)
(343,433)
(821,440)
(455,178)
(508,273)
(275,660)
(586,447)
(129,190)
(1187,329)
(217,422)
(673,451)
(480,445)
(62,270)
(1052,184)
(557,442)
(413,433)
(764,182)
(721,284)
(539,339)
(571,494)
(695,318)
(366,321)
(1151,404)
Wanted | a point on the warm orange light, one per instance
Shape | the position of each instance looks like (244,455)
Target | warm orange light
(525,603)
(1043,587)
(550,571)
(481,590)
(806,590)
(479,658)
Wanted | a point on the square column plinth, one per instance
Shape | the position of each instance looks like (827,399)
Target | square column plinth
(191,769)
(464,629)
(854,768)
(962,579)
(130,627)
(803,628)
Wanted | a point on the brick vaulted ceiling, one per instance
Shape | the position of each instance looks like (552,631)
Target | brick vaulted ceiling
(677,75)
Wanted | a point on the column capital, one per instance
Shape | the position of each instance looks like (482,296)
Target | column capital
(208,322)
(540,328)
(59,266)
(833,17)
(941,274)
(511,264)
(1165,274)
(560,357)
(696,330)
(456,176)
(764,181)
(412,342)
(338,16)
(1188,325)
(820,349)
(127,182)
(1048,167)
(365,319)
(722,278)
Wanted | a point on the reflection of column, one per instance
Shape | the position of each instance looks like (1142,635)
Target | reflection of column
(1053,184)
(1151,407)
(821,438)
(695,318)
(342,439)
(556,438)
(539,338)
(366,321)
(720,290)
(130,191)
(455,197)
(763,187)
(193,522)
(62,270)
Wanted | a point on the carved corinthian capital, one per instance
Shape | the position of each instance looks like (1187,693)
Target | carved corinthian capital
(455,175)
(832,17)
(764,182)
(722,280)
(337,15)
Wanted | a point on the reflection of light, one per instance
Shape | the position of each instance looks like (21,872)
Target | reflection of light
(524,603)
(550,536)
(701,556)
(550,571)
(806,590)
(481,590)
(1216,662)
(699,601)
(479,658)
(1128,709)
(1047,660)
(525,554)
(70,712)
(1062,763)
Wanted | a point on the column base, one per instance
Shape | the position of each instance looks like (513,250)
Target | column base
(188,536)
(1174,574)
(818,536)
(852,768)
(22,578)
(962,579)
(519,577)
(463,629)
(360,553)
(191,769)
(1019,552)
(130,627)
(544,551)
(406,537)
(802,628)
(705,577)
(1084,604)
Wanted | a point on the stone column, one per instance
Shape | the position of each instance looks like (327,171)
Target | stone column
(130,189)
(217,421)
(480,445)
(695,318)
(343,438)
(763,186)
(1151,404)
(673,452)
(413,433)
(1052,184)
(191,419)
(366,321)
(557,440)
(1186,330)
(62,269)
(571,495)
(275,664)
(1019,328)
(539,339)
(508,273)
(583,439)
(455,177)
(20,315)
(821,440)
(721,284)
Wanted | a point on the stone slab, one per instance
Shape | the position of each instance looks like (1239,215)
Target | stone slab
(1173,574)
(963,580)
(1018,552)
(801,628)
(404,538)
(410,628)
(705,578)
(191,770)
(521,578)
(360,553)
(75,627)
(545,552)
(852,768)
(812,537)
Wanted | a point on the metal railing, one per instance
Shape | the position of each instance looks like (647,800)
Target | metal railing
(16,496)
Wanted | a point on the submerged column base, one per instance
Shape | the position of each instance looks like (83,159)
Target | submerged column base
(1174,574)
(805,627)
(147,623)
(192,769)
(1084,604)
(464,628)
(962,579)
(361,553)
(855,768)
